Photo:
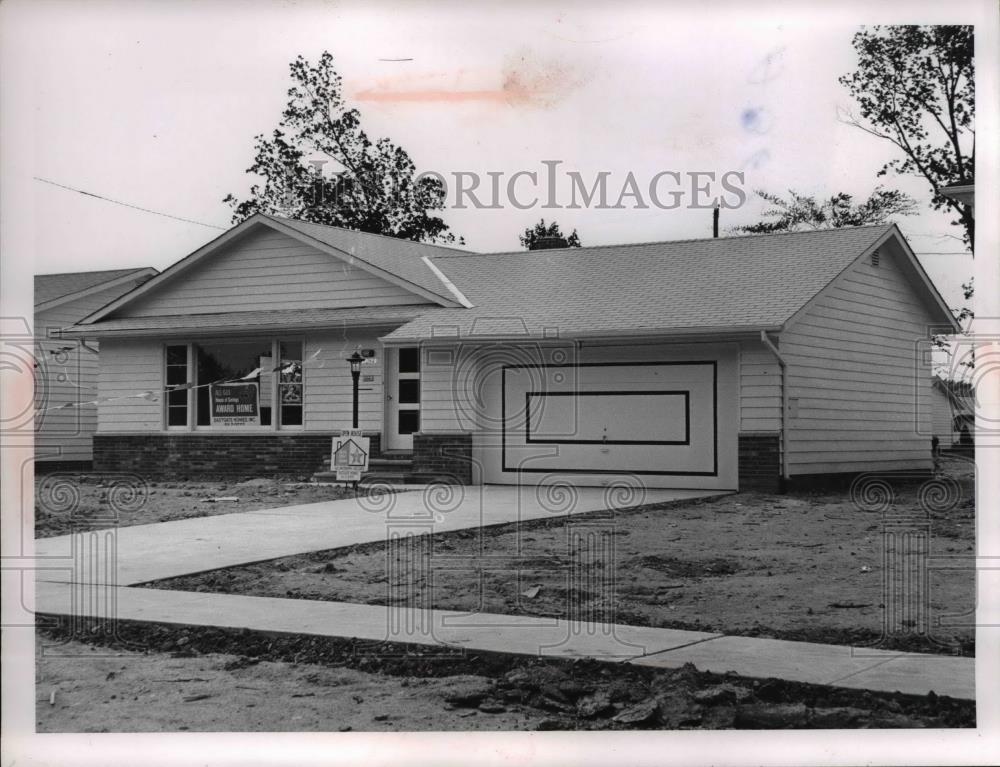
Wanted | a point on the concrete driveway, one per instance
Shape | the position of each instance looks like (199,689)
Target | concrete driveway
(142,553)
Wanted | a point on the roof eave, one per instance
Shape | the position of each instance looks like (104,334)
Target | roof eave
(617,334)
(96,331)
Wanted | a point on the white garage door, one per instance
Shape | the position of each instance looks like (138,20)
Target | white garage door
(665,422)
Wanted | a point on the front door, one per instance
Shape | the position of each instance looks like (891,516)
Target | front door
(402,393)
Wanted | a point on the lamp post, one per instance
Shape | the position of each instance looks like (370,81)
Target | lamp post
(355,361)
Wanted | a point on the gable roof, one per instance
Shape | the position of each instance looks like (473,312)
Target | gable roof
(733,284)
(718,285)
(405,258)
(54,289)
(402,262)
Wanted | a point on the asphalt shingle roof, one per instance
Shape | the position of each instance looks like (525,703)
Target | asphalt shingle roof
(49,287)
(400,257)
(751,282)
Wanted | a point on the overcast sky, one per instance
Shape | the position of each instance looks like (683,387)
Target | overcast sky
(157,105)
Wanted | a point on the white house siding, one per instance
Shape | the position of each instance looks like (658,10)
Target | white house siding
(266,270)
(329,389)
(760,389)
(136,365)
(130,367)
(445,405)
(67,377)
(860,376)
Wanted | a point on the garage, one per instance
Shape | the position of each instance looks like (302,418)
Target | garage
(653,415)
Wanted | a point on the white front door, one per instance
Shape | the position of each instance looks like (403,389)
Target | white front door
(402,393)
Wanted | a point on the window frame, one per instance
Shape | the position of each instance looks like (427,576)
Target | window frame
(192,400)
(166,389)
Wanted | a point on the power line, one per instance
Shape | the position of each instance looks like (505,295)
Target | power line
(128,205)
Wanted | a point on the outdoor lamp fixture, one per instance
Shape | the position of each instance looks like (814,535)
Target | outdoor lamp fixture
(355,361)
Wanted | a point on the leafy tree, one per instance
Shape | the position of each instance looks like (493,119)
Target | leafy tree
(915,87)
(542,236)
(803,212)
(374,187)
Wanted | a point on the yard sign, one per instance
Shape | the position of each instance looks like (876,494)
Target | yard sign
(350,455)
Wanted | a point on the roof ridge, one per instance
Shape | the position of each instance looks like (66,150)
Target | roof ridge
(370,234)
(672,242)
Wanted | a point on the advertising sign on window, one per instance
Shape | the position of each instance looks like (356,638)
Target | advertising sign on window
(235,405)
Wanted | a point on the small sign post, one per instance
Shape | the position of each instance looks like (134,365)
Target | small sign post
(350,455)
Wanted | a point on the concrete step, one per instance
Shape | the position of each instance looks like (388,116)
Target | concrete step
(387,476)
(395,464)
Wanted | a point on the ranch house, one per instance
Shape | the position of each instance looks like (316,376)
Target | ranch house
(729,363)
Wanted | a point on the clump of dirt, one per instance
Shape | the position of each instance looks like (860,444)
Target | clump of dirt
(547,694)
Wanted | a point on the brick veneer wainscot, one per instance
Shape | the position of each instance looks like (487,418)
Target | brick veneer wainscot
(760,461)
(172,456)
(444,455)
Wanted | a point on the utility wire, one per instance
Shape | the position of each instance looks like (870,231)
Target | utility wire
(128,205)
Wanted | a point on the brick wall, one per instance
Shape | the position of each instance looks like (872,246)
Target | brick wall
(444,455)
(760,461)
(217,455)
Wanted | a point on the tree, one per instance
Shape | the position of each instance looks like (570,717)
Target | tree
(803,212)
(374,186)
(542,236)
(915,87)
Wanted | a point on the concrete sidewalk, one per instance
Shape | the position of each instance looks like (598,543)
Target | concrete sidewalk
(837,665)
(93,575)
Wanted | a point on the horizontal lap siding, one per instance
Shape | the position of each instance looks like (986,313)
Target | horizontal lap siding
(858,370)
(446,379)
(69,377)
(329,389)
(760,389)
(269,270)
(127,368)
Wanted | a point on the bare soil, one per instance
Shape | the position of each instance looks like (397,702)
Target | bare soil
(155,678)
(65,502)
(808,567)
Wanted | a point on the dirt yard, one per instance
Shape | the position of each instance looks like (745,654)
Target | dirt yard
(64,502)
(151,678)
(804,567)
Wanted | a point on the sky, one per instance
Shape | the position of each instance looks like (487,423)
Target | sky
(157,104)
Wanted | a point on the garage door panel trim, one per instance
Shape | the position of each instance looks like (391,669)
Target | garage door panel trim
(713,364)
(686,394)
